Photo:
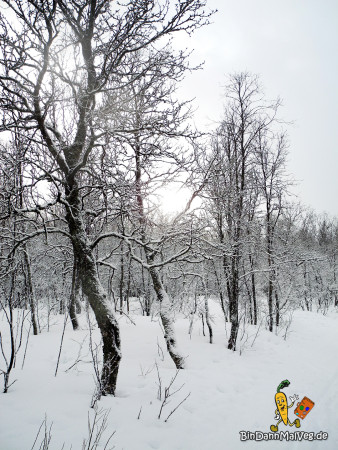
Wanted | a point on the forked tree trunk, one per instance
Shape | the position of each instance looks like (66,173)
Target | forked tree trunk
(97,298)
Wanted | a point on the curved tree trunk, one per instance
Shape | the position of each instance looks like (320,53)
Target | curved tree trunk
(161,294)
(166,318)
(92,288)
(207,318)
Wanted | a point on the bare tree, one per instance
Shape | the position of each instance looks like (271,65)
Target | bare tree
(58,63)
(152,121)
(231,184)
(272,185)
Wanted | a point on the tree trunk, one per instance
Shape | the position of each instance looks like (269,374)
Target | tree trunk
(121,278)
(253,289)
(162,296)
(233,292)
(95,293)
(30,290)
(221,296)
(269,238)
(206,307)
(335,280)
(233,304)
(207,318)
(277,309)
(270,302)
(166,318)
(73,299)
(127,294)
(306,288)
(248,291)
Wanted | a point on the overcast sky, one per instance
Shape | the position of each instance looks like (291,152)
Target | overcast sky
(293,46)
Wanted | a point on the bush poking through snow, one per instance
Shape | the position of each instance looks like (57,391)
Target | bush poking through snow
(96,427)
(167,393)
(46,438)
(9,354)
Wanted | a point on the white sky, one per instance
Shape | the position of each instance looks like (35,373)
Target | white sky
(293,46)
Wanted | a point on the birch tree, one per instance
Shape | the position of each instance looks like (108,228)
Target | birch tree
(272,185)
(231,186)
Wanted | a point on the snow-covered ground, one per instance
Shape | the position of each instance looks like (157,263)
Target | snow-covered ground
(229,392)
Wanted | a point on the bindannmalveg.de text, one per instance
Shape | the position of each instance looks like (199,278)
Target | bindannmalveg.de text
(283,435)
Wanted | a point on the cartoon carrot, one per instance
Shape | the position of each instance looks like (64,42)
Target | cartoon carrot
(282,407)
(282,401)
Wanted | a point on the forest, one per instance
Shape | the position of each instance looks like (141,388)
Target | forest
(92,132)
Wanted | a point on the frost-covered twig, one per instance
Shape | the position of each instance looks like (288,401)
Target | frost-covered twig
(24,355)
(168,393)
(96,430)
(94,350)
(160,351)
(61,343)
(159,392)
(256,333)
(78,358)
(146,372)
(127,315)
(288,326)
(47,436)
(172,412)
(14,345)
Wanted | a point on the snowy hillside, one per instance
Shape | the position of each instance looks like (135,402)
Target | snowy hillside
(229,392)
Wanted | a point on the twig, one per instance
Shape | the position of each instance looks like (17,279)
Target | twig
(160,351)
(96,430)
(168,394)
(159,392)
(47,436)
(24,355)
(172,412)
(127,315)
(147,372)
(60,349)
(37,435)
(256,333)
